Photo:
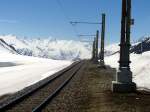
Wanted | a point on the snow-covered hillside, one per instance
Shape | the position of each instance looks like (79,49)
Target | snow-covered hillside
(50,48)
(141,46)
(112,49)
(4,47)
(18,72)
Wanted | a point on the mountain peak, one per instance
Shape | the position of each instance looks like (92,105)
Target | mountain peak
(49,48)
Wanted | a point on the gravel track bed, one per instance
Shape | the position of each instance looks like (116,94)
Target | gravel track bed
(90,91)
(71,96)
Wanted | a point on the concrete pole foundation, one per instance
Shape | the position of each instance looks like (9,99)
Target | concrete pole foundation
(101,64)
(123,81)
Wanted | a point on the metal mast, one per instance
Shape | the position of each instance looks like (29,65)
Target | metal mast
(97,36)
(101,55)
(123,81)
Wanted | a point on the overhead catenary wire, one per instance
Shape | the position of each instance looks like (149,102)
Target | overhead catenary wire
(89,41)
(82,22)
(73,24)
(67,17)
(86,35)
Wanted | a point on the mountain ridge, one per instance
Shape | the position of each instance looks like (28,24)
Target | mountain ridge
(49,48)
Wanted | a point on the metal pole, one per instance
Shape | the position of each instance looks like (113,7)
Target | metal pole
(94,49)
(123,81)
(97,35)
(102,40)
(123,36)
(128,30)
(93,52)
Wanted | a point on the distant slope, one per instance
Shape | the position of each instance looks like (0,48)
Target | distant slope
(138,47)
(63,49)
(112,49)
(4,47)
(141,46)
(50,48)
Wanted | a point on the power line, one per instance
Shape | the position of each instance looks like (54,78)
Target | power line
(62,9)
(67,17)
(73,24)
(86,35)
(81,22)
(86,41)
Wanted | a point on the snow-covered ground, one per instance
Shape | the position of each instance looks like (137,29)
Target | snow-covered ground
(140,67)
(18,71)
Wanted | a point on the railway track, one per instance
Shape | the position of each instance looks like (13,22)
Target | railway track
(36,99)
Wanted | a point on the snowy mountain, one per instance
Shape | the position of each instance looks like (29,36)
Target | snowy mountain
(141,46)
(62,49)
(4,47)
(50,48)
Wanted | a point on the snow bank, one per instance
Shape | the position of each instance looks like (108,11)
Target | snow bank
(25,71)
(140,67)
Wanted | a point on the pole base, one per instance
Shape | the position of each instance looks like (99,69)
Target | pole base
(123,87)
(123,81)
(101,66)
(95,61)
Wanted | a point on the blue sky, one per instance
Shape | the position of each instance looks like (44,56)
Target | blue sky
(44,18)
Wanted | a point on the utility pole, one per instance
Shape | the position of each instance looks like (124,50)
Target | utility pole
(101,54)
(96,47)
(93,50)
(123,81)
(96,40)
